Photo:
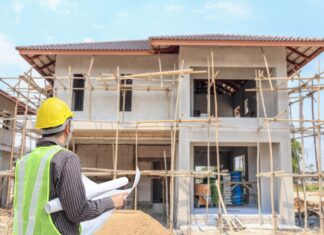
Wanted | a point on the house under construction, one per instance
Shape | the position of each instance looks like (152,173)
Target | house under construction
(206,118)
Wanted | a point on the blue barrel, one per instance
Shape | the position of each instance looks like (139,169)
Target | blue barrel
(238,191)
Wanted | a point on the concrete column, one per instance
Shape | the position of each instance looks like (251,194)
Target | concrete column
(182,190)
(286,194)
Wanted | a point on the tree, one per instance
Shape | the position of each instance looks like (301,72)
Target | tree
(296,150)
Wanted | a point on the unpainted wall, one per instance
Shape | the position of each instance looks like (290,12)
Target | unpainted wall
(104,103)
(4,165)
(101,156)
(6,135)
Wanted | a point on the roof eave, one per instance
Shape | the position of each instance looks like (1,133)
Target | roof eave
(30,111)
(164,42)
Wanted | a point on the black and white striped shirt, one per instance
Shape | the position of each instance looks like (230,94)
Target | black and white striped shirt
(66,184)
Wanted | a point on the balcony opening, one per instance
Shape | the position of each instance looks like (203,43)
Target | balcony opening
(232,98)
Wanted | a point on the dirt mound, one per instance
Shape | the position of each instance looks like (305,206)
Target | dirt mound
(5,221)
(132,222)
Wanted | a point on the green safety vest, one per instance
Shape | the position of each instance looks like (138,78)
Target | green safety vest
(32,191)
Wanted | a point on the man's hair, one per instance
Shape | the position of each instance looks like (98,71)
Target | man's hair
(57,134)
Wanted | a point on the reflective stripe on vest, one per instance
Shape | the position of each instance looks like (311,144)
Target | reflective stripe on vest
(21,175)
(34,199)
(32,192)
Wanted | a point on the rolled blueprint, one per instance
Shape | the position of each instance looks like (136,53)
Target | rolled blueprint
(92,189)
(90,227)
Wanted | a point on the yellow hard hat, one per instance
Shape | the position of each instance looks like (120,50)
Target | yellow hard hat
(52,112)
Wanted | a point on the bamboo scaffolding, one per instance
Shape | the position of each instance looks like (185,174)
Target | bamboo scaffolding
(208,141)
(161,82)
(258,158)
(166,189)
(179,173)
(301,124)
(173,151)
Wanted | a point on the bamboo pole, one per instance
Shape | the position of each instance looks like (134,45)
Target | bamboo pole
(23,138)
(136,165)
(164,73)
(301,113)
(90,87)
(71,86)
(274,220)
(208,141)
(258,157)
(221,204)
(267,68)
(178,173)
(117,120)
(13,141)
(319,160)
(166,189)
(173,153)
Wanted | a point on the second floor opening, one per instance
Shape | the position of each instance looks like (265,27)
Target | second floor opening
(236,94)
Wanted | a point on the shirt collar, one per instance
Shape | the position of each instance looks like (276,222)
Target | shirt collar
(47,141)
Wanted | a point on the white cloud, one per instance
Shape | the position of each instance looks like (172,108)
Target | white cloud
(51,4)
(61,7)
(17,7)
(123,13)
(88,40)
(174,8)
(9,56)
(219,9)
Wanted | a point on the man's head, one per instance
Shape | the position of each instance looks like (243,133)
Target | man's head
(54,118)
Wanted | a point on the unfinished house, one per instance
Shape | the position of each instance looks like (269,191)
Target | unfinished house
(9,106)
(189,112)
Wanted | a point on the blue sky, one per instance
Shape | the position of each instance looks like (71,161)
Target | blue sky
(24,22)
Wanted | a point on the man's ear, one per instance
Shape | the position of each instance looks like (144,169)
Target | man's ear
(67,129)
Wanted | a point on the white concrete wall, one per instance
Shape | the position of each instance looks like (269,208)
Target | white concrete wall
(4,165)
(156,103)
(101,156)
(6,135)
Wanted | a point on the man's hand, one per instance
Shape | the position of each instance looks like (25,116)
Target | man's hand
(119,200)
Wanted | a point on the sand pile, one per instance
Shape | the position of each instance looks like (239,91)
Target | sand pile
(132,222)
(5,222)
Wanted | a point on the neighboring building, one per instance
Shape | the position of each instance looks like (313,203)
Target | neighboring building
(7,114)
(236,58)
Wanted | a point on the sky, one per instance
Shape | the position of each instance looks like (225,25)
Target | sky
(28,22)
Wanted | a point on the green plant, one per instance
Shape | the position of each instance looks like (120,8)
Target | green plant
(296,150)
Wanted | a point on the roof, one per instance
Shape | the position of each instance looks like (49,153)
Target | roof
(299,50)
(135,45)
(21,105)
(236,37)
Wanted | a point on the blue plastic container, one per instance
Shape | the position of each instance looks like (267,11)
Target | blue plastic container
(238,191)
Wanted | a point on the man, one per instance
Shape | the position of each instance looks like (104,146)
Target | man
(49,172)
